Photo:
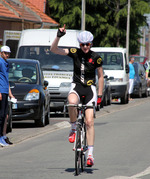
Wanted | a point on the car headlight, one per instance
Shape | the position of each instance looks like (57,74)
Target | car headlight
(117,80)
(65,85)
(34,94)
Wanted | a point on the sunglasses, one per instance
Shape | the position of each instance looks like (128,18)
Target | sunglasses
(6,53)
(87,44)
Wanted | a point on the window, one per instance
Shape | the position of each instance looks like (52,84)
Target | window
(112,60)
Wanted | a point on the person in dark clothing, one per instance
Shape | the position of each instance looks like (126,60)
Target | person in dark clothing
(85,64)
(5,91)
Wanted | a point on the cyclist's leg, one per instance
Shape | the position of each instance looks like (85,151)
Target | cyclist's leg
(90,136)
(91,97)
(89,115)
(90,126)
(72,99)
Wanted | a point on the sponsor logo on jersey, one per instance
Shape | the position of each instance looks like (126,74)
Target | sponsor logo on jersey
(90,82)
(99,60)
(91,60)
(73,50)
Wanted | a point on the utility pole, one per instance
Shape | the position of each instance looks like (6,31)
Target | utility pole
(83,15)
(23,15)
(128,30)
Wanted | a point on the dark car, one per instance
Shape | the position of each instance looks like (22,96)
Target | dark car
(141,59)
(9,121)
(140,83)
(30,90)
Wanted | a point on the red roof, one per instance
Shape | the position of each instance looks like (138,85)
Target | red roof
(14,9)
(4,12)
(40,4)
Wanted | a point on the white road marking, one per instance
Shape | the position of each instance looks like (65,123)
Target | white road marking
(137,176)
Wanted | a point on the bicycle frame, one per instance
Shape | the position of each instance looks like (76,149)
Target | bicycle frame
(80,123)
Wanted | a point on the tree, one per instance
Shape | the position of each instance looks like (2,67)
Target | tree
(106,19)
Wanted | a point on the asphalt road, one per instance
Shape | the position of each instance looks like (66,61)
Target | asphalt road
(121,147)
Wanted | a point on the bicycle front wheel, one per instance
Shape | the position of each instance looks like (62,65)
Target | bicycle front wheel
(83,152)
(78,150)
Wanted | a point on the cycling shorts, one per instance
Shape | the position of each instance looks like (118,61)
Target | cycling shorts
(89,93)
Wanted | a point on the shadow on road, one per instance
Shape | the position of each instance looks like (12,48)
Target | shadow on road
(86,170)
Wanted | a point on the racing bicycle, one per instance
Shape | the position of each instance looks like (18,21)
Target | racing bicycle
(80,145)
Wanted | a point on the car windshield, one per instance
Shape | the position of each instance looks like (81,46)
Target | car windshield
(112,60)
(139,59)
(48,60)
(22,72)
(139,69)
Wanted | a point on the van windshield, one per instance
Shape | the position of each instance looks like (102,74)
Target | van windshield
(112,60)
(47,59)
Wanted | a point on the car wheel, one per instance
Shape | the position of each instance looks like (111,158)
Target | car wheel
(47,119)
(40,122)
(146,93)
(105,99)
(102,103)
(140,93)
(109,99)
(98,108)
(9,122)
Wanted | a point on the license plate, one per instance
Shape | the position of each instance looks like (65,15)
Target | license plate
(14,106)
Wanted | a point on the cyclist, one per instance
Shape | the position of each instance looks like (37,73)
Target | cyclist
(85,63)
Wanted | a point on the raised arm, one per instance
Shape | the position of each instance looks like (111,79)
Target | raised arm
(54,47)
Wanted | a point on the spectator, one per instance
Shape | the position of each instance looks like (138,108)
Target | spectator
(131,76)
(5,132)
(148,76)
(4,91)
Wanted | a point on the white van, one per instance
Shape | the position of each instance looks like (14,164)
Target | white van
(115,64)
(57,69)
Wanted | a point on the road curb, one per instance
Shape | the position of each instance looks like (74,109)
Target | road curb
(23,136)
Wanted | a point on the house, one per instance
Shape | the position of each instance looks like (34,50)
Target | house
(17,15)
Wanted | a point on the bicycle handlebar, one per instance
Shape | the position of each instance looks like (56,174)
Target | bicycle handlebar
(80,105)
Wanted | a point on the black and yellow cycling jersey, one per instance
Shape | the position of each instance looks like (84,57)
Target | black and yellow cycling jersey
(84,66)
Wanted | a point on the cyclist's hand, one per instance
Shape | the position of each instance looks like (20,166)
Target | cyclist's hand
(99,100)
(61,31)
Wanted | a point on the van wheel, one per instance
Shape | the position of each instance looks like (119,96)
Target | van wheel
(40,122)
(124,99)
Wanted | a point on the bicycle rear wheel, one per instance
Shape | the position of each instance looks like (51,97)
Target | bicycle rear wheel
(83,152)
(78,151)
